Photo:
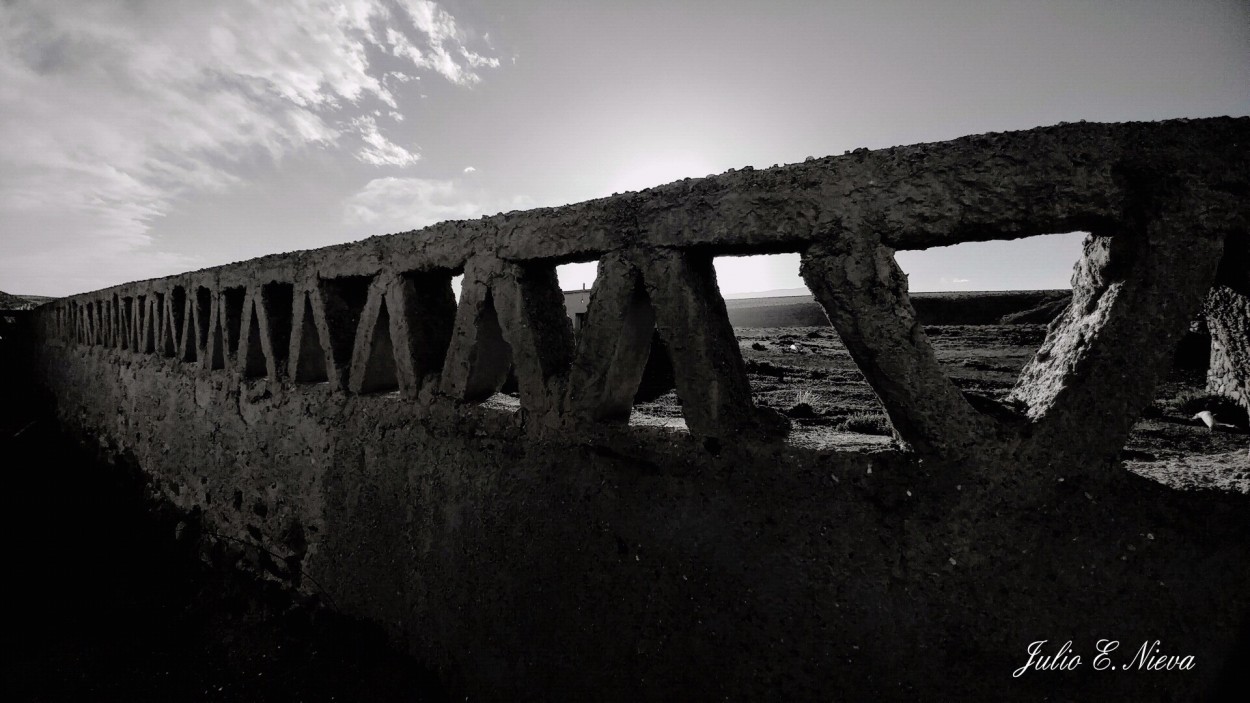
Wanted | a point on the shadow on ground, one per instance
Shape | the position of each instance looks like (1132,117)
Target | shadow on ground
(111,598)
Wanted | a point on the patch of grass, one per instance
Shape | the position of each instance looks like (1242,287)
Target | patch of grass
(868,423)
(804,402)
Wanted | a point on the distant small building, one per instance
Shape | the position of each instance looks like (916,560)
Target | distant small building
(576,303)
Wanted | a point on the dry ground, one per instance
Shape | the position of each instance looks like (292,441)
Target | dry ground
(789,366)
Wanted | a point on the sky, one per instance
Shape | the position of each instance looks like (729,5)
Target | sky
(143,138)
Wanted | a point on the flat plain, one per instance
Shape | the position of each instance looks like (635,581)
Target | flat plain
(808,374)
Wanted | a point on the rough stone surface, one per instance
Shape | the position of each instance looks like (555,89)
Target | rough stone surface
(1228,318)
(1133,296)
(694,326)
(609,364)
(642,567)
(1069,177)
(555,554)
(864,293)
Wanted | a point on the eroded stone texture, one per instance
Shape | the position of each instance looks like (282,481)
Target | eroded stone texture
(478,357)
(531,314)
(766,569)
(613,349)
(864,293)
(645,568)
(1133,296)
(691,318)
(511,316)
(1228,318)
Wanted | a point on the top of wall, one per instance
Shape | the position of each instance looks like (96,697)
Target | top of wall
(1067,177)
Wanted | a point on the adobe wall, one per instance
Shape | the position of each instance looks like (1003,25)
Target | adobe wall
(643,567)
(326,408)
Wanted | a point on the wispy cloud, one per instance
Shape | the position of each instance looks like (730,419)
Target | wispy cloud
(399,204)
(112,110)
(378,150)
(444,38)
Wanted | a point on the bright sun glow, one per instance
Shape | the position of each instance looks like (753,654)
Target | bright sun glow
(653,169)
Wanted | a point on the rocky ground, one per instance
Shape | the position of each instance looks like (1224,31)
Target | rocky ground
(808,374)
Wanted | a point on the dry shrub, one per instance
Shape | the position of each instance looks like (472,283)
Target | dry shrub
(868,423)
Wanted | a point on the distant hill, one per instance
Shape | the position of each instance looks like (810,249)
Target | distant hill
(962,308)
(14,302)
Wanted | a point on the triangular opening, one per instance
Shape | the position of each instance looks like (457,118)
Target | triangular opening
(429,309)
(203,315)
(254,359)
(796,363)
(310,366)
(380,373)
(164,333)
(641,365)
(655,388)
(177,306)
(278,300)
(232,317)
(345,300)
(177,311)
(491,358)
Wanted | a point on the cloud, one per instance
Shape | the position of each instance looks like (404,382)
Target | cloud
(440,29)
(112,111)
(953,281)
(378,150)
(470,169)
(399,204)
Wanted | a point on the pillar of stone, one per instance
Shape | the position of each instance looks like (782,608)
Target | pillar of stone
(1133,297)
(420,311)
(864,294)
(694,325)
(478,357)
(510,316)
(531,315)
(615,343)
(1228,318)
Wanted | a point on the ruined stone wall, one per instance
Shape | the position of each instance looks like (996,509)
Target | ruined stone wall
(325,406)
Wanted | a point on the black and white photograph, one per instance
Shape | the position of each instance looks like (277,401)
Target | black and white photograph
(625,350)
